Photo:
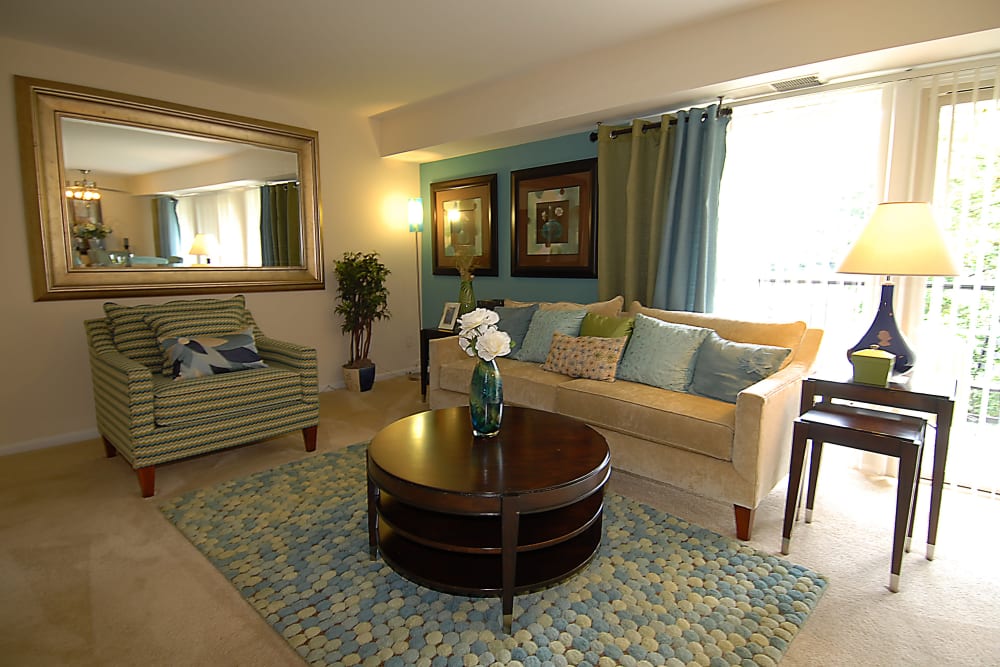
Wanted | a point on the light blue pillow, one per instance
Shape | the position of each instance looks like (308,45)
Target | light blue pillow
(514,322)
(543,325)
(725,368)
(661,354)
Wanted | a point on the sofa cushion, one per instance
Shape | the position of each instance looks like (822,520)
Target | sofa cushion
(543,325)
(725,368)
(595,324)
(134,338)
(661,354)
(514,322)
(585,357)
(221,396)
(524,383)
(777,334)
(611,307)
(189,357)
(670,418)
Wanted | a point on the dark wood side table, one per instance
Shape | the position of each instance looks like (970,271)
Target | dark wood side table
(907,393)
(487,516)
(427,335)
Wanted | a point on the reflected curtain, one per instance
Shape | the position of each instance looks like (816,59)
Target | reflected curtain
(658,209)
(168,230)
(280,231)
(230,216)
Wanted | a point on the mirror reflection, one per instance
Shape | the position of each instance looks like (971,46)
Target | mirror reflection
(130,196)
(148,197)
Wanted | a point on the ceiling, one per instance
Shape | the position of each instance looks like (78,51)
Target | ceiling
(370,55)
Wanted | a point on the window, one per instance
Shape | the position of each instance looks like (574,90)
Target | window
(801,177)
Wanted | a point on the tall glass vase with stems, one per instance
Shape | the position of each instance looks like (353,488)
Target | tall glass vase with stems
(486,399)
(466,297)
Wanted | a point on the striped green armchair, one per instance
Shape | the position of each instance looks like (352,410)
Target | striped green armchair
(183,378)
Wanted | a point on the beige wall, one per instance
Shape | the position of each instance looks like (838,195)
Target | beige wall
(45,395)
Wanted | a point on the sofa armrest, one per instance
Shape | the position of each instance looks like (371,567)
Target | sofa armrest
(765,411)
(441,351)
(302,358)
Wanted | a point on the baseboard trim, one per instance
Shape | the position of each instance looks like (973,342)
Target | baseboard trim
(49,441)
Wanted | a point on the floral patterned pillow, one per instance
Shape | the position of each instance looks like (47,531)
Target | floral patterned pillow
(200,356)
(585,356)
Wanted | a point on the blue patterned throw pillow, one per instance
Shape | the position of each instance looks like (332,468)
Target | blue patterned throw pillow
(200,356)
(725,368)
(661,354)
(544,324)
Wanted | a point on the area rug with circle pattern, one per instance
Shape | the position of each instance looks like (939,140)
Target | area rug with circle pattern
(660,591)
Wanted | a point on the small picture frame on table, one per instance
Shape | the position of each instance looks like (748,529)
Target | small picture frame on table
(449,316)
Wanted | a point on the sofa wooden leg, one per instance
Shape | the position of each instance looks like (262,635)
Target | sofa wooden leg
(309,434)
(109,449)
(744,521)
(147,480)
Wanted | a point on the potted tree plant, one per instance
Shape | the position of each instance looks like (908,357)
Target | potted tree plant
(363,298)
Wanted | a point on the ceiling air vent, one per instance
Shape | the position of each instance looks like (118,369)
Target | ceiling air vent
(798,83)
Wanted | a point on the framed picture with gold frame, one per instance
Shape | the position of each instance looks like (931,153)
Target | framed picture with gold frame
(464,221)
(554,220)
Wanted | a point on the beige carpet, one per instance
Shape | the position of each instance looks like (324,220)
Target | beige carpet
(91,574)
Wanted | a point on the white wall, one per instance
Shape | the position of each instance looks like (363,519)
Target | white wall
(45,393)
(690,64)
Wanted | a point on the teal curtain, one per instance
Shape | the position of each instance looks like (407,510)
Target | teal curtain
(685,274)
(168,229)
(658,193)
(280,231)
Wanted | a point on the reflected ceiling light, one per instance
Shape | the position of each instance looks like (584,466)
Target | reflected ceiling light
(84,189)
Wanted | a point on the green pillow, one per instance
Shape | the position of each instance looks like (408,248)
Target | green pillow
(543,325)
(661,354)
(725,368)
(603,326)
(514,322)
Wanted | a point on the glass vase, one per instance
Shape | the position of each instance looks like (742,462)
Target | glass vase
(486,399)
(466,298)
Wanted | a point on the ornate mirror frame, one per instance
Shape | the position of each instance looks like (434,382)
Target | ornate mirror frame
(40,107)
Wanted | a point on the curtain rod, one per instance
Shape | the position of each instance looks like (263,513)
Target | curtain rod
(721,111)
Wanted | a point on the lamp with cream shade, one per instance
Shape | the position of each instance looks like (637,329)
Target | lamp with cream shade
(901,239)
(203,245)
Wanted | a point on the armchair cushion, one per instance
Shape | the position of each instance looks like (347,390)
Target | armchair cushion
(190,357)
(133,337)
(168,327)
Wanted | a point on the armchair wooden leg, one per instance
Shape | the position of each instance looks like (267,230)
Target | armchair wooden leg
(309,434)
(109,449)
(147,480)
(744,521)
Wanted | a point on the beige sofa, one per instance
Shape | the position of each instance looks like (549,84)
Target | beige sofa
(733,453)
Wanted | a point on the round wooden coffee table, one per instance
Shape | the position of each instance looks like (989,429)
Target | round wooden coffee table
(486,516)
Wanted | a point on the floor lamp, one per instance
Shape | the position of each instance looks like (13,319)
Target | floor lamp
(901,239)
(415,217)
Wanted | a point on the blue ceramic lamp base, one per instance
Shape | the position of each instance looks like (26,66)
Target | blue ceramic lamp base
(884,334)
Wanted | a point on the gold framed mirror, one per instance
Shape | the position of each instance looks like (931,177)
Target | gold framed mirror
(128,196)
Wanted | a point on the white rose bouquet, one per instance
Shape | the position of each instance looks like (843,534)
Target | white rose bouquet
(479,337)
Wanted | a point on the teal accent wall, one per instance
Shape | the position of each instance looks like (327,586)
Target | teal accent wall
(437,290)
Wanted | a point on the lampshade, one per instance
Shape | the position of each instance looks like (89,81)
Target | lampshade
(901,239)
(415,214)
(203,244)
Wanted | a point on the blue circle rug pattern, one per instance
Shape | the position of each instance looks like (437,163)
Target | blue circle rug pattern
(660,591)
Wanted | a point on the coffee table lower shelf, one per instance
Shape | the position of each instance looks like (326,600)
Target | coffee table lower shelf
(481,574)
